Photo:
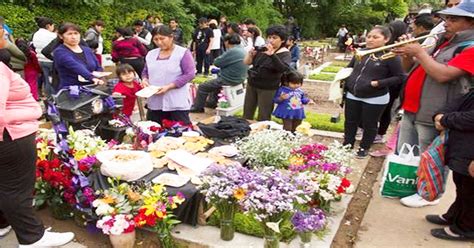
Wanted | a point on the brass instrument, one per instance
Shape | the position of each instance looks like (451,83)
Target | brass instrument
(360,54)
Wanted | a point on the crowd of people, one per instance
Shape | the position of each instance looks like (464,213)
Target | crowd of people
(432,87)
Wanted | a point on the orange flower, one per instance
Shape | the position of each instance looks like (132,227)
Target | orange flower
(239,193)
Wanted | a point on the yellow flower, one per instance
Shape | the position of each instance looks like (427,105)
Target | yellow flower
(78,155)
(108,200)
(239,193)
(158,189)
(296,160)
(134,197)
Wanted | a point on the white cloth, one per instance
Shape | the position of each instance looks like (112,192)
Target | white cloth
(432,40)
(146,41)
(100,48)
(41,39)
(378,100)
(216,42)
(259,41)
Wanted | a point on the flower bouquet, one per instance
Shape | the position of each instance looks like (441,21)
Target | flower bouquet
(222,101)
(221,186)
(306,223)
(116,208)
(83,143)
(269,147)
(156,213)
(270,195)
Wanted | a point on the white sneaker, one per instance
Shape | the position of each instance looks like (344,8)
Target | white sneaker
(51,239)
(5,231)
(416,201)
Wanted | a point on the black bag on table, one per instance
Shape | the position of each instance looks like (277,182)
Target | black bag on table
(227,127)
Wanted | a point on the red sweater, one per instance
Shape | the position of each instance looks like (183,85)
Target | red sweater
(130,98)
(127,48)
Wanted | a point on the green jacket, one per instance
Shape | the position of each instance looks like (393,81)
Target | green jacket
(18,58)
(233,71)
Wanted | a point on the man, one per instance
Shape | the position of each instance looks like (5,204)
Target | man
(202,41)
(143,35)
(233,71)
(422,25)
(436,79)
(148,22)
(177,31)
(341,36)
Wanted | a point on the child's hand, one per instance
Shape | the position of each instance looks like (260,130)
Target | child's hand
(284,96)
(311,102)
(145,83)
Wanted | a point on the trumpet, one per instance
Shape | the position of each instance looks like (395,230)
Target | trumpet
(360,54)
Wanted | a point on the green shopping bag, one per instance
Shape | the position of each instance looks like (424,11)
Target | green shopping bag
(399,176)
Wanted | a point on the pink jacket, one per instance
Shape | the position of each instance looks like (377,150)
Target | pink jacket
(19,112)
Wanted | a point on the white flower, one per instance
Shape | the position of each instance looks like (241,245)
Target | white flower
(275,226)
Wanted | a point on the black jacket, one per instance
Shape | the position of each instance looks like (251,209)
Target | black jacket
(267,70)
(459,120)
(387,72)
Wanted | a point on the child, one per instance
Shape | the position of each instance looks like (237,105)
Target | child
(127,86)
(290,99)
(32,69)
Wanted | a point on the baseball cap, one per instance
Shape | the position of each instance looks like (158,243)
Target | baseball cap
(465,8)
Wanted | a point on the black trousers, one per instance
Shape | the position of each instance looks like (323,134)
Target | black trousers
(357,112)
(291,124)
(202,58)
(461,213)
(263,99)
(17,180)
(210,87)
(214,54)
(386,117)
(159,116)
(137,63)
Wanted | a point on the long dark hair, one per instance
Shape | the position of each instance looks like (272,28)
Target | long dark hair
(24,47)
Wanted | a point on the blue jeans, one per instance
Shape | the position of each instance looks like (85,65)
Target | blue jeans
(415,133)
(47,69)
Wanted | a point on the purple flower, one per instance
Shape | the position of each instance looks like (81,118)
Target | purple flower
(311,221)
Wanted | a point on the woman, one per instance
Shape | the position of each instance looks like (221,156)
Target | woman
(368,91)
(295,52)
(268,65)
(459,219)
(170,67)
(216,49)
(129,50)
(41,39)
(18,123)
(256,36)
(72,60)
(94,33)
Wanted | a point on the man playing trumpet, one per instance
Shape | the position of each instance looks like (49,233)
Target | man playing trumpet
(436,78)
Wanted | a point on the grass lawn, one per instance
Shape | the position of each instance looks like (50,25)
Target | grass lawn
(317,121)
(322,76)
(200,79)
(332,69)
(339,63)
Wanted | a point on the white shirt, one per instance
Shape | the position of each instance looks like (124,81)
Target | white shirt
(259,41)
(216,42)
(100,48)
(378,100)
(41,39)
(146,41)
(432,40)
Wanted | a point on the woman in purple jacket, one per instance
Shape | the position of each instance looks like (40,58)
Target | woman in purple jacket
(73,60)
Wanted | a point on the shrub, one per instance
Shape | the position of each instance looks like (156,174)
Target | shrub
(323,76)
(200,79)
(332,69)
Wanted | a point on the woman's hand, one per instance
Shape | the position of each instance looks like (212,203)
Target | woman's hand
(437,122)
(252,52)
(145,83)
(164,89)
(471,168)
(374,84)
(270,50)
(98,81)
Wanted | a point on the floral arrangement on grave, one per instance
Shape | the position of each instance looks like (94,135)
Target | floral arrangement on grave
(54,186)
(269,148)
(156,212)
(84,143)
(116,208)
(326,168)
(306,223)
(222,188)
(270,196)
(222,101)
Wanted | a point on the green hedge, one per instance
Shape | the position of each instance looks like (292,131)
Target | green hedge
(340,63)
(323,76)
(317,121)
(21,19)
(200,79)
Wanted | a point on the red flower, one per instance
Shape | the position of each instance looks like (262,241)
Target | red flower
(154,128)
(345,183)
(84,168)
(55,163)
(341,190)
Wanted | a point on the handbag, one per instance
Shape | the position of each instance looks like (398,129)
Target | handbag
(399,176)
(433,172)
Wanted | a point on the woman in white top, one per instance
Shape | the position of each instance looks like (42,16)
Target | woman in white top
(216,50)
(41,39)
(257,39)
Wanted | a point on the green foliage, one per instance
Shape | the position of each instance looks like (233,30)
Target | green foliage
(314,44)
(339,63)
(200,79)
(331,69)
(322,76)
(248,225)
(317,121)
